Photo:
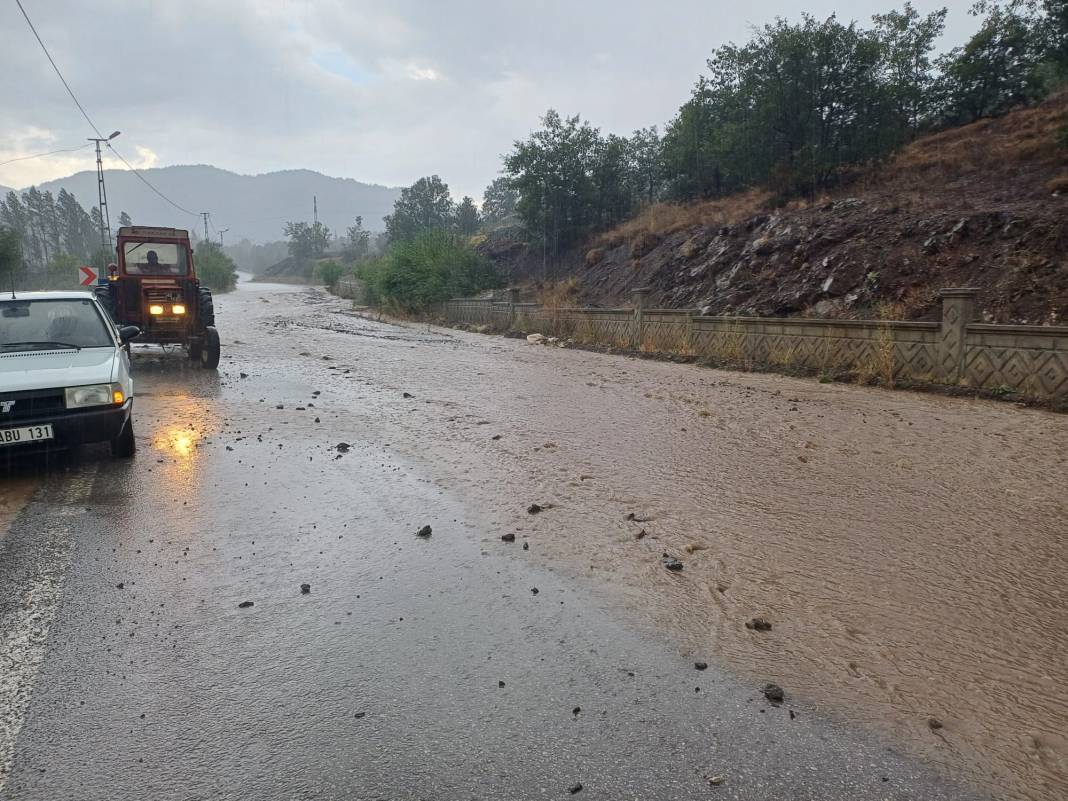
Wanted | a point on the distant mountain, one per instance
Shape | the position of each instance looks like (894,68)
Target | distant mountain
(251,206)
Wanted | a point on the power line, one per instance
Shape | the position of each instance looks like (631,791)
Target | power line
(42,155)
(86,115)
(146,182)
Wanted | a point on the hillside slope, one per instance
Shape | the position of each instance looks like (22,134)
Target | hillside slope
(984,205)
(251,206)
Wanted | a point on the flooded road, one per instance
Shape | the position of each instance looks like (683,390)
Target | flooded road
(907,550)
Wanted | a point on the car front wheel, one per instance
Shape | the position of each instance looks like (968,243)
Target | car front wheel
(124,445)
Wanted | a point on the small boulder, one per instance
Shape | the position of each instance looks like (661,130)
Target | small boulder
(774,693)
(305,589)
(758,624)
(672,564)
(509,537)
(424,532)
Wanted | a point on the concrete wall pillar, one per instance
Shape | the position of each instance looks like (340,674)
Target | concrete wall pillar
(513,299)
(958,310)
(640,297)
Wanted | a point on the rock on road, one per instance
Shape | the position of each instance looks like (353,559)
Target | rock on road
(456,665)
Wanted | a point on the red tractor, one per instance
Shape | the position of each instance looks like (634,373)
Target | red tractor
(154,286)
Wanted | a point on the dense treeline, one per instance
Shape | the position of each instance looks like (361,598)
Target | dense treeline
(796,109)
(45,239)
(50,237)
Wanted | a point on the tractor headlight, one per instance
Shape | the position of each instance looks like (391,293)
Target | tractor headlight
(94,395)
(178,308)
(155,309)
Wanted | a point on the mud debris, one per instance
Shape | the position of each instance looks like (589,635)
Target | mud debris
(245,604)
(575,788)
(424,532)
(509,537)
(774,693)
(535,508)
(758,624)
(672,564)
(305,589)
(700,665)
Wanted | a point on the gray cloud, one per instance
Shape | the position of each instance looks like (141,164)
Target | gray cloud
(381,92)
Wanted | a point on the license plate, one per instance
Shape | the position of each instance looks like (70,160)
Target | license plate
(20,436)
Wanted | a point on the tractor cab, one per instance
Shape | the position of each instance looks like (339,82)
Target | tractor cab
(153,285)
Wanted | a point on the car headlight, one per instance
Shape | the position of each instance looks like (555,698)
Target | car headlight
(94,395)
(178,308)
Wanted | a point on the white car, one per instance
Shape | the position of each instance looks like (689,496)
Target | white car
(64,374)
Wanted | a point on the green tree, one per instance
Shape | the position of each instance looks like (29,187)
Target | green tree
(214,268)
(908,41)
(62,272)
(552,171)
(11,267)
(357,244)
(424,206)
(467,217)
(647,165)
(307,241)
(124,220)
(998,68)
(499,200)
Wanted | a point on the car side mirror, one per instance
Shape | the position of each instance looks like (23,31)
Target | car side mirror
(128,332)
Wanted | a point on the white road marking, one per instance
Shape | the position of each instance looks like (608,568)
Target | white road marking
(24,629)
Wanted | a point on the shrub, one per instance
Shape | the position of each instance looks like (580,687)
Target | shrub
(329,272)
(430,268)
(214,268)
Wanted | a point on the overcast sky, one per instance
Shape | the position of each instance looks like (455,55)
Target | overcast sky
(383,92)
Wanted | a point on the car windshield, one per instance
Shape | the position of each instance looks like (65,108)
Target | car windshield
(51,324)
(155,258)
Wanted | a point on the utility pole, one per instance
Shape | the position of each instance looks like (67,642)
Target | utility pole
(221,232)
(102,199)
(205,215)
(315,209)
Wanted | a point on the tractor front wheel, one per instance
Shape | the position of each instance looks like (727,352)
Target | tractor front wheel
(210,349)
(195,349)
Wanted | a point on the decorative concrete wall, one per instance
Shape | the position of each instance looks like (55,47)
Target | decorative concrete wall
(1032,360)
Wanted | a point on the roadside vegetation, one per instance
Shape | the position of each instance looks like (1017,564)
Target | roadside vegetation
(424,269)
(214,268)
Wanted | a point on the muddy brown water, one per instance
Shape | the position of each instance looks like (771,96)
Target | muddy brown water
(908,549)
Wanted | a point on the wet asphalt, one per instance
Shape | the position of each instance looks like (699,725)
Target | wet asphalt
(453,667)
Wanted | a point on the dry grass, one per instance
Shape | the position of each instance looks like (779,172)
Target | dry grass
(1058,184)
(1025,136)
(663,219)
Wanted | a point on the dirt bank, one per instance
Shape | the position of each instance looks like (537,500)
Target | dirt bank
(985,205)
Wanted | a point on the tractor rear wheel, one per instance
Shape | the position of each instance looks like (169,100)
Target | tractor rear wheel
(210,349)
(206,307)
